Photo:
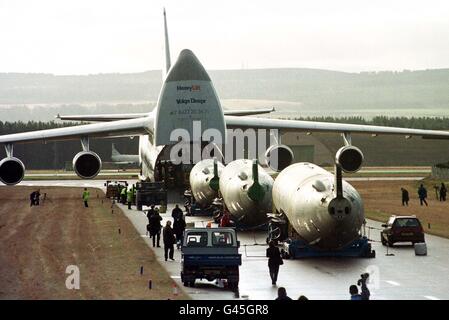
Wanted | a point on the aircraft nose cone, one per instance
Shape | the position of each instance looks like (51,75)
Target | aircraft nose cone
(339,208)
(187,67)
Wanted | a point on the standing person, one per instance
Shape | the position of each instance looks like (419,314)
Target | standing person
(129,198)
(150,212)
(176,213)
(32,197)
(362,282)
(169,240)
(405,197)
(37,197)
(123,195)
(274,261)
(422,193)
(443,192)
(155,228)
(354,292)
(225,220)
(86,196)
(282,294)
(178,228)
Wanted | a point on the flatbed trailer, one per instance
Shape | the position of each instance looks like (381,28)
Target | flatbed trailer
(294,247)
(298,249)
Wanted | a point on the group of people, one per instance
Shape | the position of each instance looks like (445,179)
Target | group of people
(275,260)
(282,295)
(422,194)
(127,195)
(35,198)
(171,235)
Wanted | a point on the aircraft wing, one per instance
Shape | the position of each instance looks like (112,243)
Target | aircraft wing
(120,128)
(247,112)
(125,116)
(312,126)
(103,117)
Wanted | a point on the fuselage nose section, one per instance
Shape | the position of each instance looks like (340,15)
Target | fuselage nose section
(187,67)
(188,103)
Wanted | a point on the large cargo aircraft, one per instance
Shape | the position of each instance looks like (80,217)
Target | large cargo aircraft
(123,159)
(188,96)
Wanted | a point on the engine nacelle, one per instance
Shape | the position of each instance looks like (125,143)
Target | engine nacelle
(279,157)
(349,158)
(87,164)
(12,171)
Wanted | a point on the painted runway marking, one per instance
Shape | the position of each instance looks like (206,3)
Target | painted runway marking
(431,298)
(393,283)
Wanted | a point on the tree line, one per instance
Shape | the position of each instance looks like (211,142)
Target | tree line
(429,123)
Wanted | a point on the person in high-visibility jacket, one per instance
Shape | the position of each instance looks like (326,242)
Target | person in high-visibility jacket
(129,197)
(86,196)
(123,195)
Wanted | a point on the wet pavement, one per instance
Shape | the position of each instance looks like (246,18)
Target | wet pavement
(400,275)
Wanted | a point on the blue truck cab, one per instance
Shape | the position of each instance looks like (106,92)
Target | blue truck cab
(210,253)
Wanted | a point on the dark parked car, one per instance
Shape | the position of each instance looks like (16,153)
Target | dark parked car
(402,229)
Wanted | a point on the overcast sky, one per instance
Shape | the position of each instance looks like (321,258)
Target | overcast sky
(93,36)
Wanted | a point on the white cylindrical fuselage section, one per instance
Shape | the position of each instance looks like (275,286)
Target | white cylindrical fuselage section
(247,203)
(201,181)
(305,193)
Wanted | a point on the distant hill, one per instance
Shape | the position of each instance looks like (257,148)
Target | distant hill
(295,92)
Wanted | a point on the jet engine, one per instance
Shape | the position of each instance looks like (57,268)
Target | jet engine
(279,157)
(87,164)
(349,158)
(246,190)
(204,181)
(12,171)
(307,195)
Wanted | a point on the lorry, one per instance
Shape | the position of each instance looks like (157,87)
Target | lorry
(149,193)
(113,189)
(211,254)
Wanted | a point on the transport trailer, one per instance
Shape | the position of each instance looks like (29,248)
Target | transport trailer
(211,254)
(298,249)
(196,210)
(149,193)
(294,247)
